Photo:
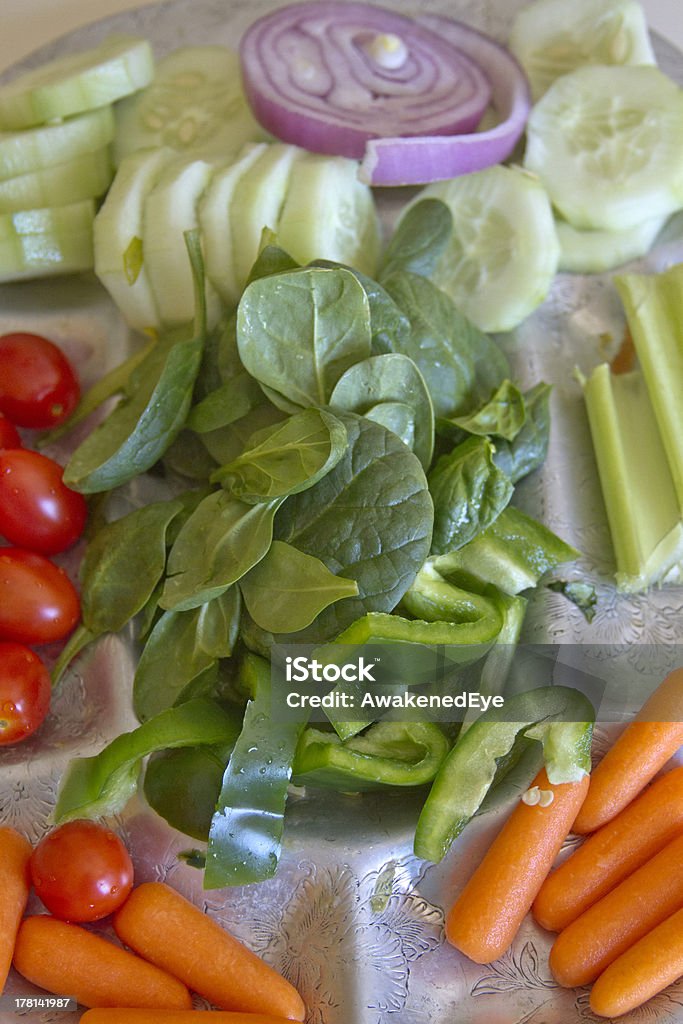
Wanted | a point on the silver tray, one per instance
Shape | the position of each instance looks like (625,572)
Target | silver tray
(352,918)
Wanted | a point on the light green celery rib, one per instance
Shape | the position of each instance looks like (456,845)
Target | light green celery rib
(643,509)
(654,310)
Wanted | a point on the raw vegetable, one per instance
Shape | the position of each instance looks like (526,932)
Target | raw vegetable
(36,510)
(647,968)
(550,714)
(110,1016)
(63,957)
(487,914)
(183,786)
(15,852)
(592,252)
(84,177)
(553,37)
(9,435)
(53,240)
(39,387)
(642,901)
(172,933)
(24,692)
(194,105)
(503,253)
(39,148)
(78,82)
(302,64)
(607,144)
(640,752)
(639,832)
(81,871)
(38,602)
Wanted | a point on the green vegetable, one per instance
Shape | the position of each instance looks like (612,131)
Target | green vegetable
(502,415)
(557,716)
(103,784)
(52,240)
(528,450)
(246,830)
(183,785)
(583,595)
(420,238)
(388,754)
(476,616)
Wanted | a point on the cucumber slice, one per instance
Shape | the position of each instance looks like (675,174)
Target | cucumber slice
(39,243)
(119,255)
(194,105)
(329,214)
(85,177)
(38,148)
(607,143)
(553,37)
(257,204)
(503,252)
(120,65)
(214,222)
(170,210)
(592,252)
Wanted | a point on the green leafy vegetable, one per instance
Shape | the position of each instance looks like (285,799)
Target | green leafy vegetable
(419,239)
(502,415)
(583,595)
(529,448)
(182,785)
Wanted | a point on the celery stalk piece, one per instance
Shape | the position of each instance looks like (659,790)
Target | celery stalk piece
(643,510)
(654,310)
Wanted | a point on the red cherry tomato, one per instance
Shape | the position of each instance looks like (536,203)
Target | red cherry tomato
(37,510)
(9,436)
(81,871)
(38,386)
(38,602)
(24,692)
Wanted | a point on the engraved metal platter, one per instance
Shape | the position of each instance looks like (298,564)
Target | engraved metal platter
(352,917)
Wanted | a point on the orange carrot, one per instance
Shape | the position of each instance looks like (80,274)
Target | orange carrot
(177,1017)
(165,928)
(622,917)
(15,853)
(486,916)
(70,961)
(614,852)
(642,971)
(642,749)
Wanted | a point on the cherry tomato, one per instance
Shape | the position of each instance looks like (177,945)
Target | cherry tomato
(38,386)
(37,510)
(24,692)
(81,871)
(9,436)
(38,602)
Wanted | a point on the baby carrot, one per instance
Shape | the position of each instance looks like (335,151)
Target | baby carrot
(177,1017)
(15,853)
(486,916)
(612,853)
(68,960)
(642,971)
(165,928)
(642,749)
(612,925)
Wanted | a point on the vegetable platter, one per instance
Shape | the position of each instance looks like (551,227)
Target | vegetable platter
(353,918)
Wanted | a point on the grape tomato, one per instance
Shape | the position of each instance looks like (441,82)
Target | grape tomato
(38,385)
(37,510)
(38,601)
(24,692)
(9,435)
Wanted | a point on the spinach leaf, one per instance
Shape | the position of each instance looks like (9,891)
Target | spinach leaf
(502,415)
(389,378)
(396,417)
(227,443)
(272,259)
(297,332)
(469,493)
(227,403)
(182,786)
(370,520)
(388,325)
(529,449)
(103,784)
(420,237)
(223,538)
(583,595)
(461,365)
(288,588)
(291,457)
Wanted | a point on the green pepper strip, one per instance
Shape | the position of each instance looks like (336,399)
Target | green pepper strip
(103,784)
(388,754)
(559,717)
(246,831)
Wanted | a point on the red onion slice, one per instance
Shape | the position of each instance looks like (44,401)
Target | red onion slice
(416,161)
(331,76)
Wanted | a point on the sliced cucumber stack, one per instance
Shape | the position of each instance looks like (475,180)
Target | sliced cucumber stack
(195,105)
(55,240)
(593,252)
(607,143)
(85,177)
(119,252)
(503,252)
(37,149)
(553,37)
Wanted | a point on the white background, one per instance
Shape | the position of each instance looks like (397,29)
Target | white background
(27,24)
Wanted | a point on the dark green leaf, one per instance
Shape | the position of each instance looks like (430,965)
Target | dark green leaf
(420,238)
(502,415)
(529,449)
(583,595)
